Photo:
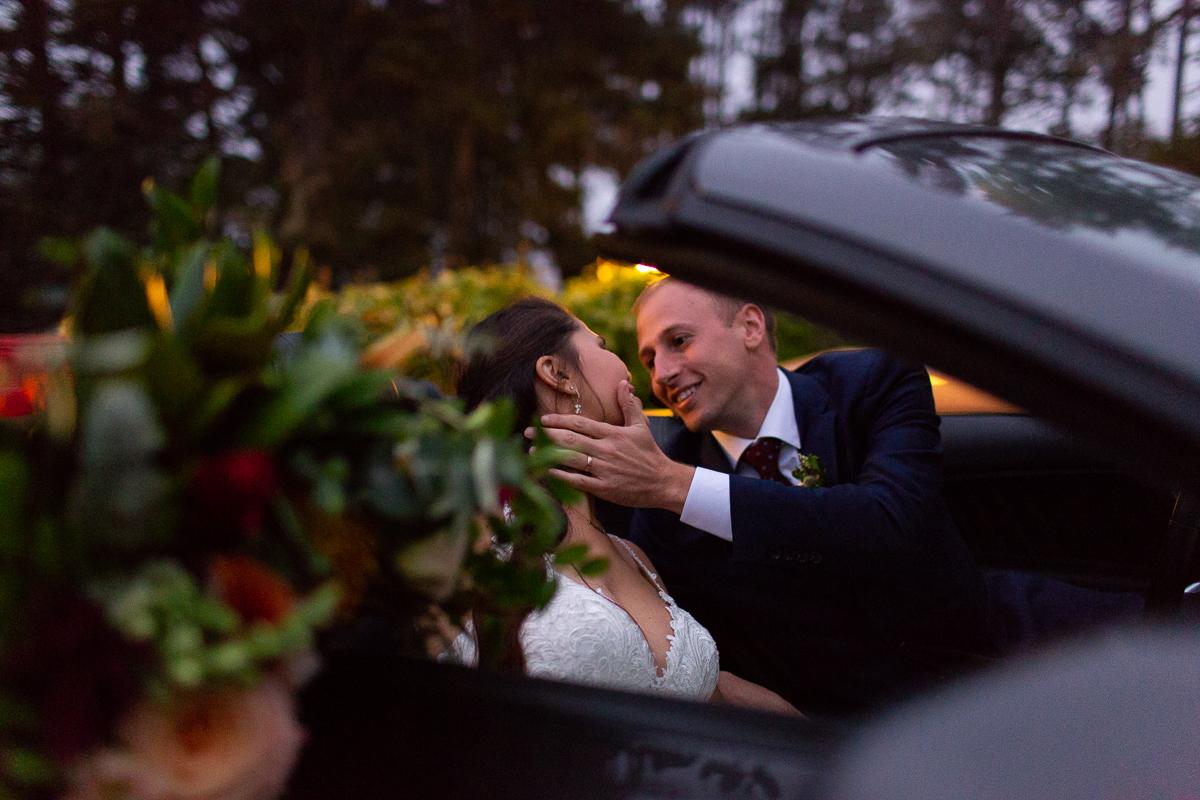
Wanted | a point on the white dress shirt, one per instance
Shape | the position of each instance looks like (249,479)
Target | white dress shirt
(707,503)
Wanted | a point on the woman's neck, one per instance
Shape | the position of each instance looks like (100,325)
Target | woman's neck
(582,525)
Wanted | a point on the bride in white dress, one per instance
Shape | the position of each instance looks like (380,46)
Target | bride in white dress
(619,629)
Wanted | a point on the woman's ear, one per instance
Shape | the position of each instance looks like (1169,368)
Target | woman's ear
(549,370)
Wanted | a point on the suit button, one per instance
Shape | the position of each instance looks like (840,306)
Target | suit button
(773,554)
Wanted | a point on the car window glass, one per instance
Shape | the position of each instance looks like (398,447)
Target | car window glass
(1142,210)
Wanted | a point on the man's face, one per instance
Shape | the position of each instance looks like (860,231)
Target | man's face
(697,362)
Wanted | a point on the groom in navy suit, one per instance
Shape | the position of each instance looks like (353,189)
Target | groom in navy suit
(837,596)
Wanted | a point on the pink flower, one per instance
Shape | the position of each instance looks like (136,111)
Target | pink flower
(238,744)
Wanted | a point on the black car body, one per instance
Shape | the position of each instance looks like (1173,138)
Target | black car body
(1060,277)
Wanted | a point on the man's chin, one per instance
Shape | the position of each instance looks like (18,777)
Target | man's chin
(693,421)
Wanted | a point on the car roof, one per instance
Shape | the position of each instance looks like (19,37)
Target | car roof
(858,133)
(1058,275)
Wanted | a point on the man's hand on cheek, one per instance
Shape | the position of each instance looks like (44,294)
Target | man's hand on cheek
(626,466)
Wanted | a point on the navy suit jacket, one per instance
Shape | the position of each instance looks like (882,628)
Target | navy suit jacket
(842,596)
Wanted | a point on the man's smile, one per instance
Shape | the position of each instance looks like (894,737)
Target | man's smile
(681,396)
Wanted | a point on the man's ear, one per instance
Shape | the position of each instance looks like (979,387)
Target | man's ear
(549,370)
(754,326)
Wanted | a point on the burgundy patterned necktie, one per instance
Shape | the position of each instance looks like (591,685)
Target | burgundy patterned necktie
(763,455)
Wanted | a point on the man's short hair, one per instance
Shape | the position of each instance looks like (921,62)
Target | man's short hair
(727,307)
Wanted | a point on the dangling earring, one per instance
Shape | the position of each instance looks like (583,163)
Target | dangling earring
(578,408)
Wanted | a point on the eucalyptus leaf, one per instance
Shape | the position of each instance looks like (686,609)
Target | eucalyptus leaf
(483,467)
(360,392)
(113,352)
(309,379)
(234,293)
(432,565)
(329,495)
(63,252)
(203,191)
(119,490)
(570,554)
(174,378)
(595,566)
(214,403)
(121,425)
(111,296)
(175,224)
(297,287)
(189,292)
(27,767)
(387,493)
(480,417)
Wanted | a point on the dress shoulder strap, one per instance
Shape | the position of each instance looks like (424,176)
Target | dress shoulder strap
(652,576)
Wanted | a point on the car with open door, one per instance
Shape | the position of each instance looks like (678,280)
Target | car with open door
(1061,278)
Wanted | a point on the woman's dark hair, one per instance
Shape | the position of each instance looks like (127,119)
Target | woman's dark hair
(503,350)
(502,355)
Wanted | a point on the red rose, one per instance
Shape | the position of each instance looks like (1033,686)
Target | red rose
(235,489)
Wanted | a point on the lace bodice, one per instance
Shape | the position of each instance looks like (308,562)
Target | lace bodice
(584,637)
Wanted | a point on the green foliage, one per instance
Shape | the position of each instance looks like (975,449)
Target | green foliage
(461,297)
(438,309)
(1182,154)
(797,336)
(199,640)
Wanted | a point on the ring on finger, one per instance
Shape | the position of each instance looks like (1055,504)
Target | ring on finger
(588,466)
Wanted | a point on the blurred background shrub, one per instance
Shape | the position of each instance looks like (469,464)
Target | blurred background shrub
(414,323)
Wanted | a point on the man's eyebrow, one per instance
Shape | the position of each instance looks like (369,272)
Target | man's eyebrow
(678,327)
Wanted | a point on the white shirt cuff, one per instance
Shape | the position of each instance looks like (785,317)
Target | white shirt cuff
(707,504)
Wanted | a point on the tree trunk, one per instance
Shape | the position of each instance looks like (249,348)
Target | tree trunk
(462,196)
(1119,76)
(1000,15)
(1185,19)
(42,91)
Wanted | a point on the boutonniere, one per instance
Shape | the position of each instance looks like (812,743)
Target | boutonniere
(809,473)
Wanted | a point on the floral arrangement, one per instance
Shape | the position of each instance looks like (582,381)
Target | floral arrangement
(191,505)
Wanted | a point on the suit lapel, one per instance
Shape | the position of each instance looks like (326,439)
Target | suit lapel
(711,455)
(816,423)
(681,445)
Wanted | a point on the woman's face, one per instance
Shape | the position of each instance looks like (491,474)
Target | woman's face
(602,370)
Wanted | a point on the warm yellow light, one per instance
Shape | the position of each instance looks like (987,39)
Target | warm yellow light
(262,259)
(646,268)
(605,273)
(156,295)
(937,380)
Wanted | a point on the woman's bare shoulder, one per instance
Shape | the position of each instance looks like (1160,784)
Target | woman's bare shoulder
(638,553)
